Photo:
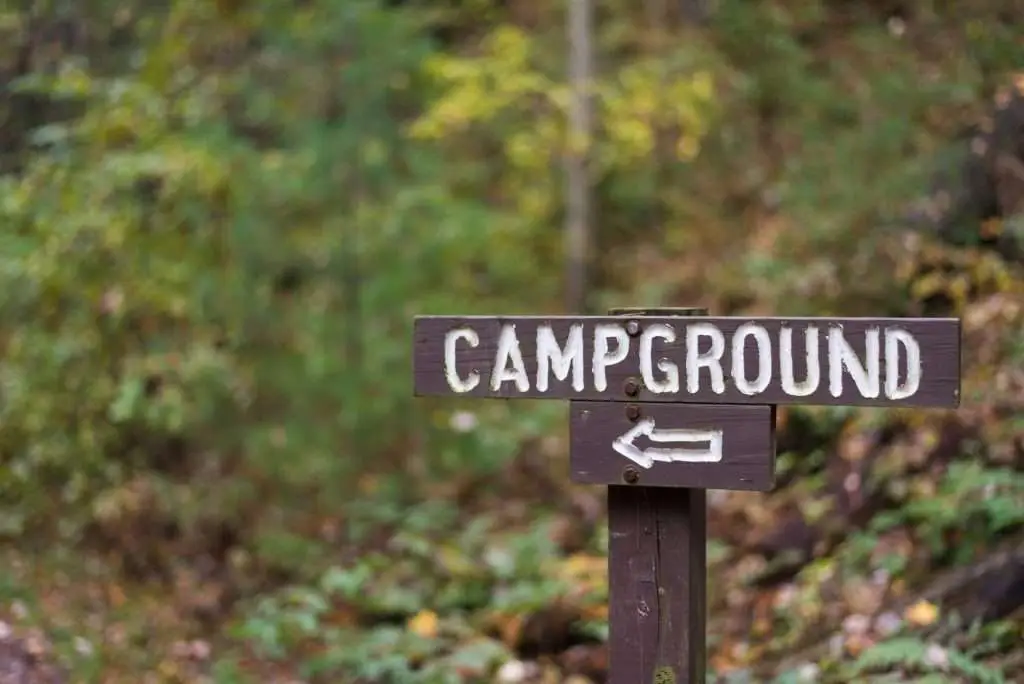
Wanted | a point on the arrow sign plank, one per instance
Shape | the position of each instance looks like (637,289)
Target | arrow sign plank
(705,446)
(645,458)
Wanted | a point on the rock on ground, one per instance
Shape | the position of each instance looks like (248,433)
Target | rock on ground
(21,661)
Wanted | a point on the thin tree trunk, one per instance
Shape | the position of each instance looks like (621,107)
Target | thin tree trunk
(578,200)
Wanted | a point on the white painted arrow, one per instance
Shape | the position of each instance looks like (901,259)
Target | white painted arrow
(646,458)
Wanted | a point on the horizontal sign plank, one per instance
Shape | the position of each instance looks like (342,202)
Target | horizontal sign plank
(824,361)
(702,446)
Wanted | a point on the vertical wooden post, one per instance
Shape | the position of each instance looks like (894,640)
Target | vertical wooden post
(657,576)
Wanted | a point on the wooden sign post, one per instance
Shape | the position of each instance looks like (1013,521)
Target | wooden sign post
(666,404)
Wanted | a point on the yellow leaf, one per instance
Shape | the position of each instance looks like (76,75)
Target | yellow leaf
(856,644)
(992,228)
(424,624)
(582,567)
(368,484)
(703,85)
(455,562)
(117,597)
(688,147)
(511,627)
(922,613)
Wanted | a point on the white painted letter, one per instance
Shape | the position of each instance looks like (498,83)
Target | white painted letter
(789,384)
(603,357)
(451,372)
(671,382)
(712,360)
(508,350)
(554,359)
(894,339)
(841,354)
(764,359)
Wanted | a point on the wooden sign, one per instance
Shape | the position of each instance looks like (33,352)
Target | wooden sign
(661,445)
(666,404)
(831,361)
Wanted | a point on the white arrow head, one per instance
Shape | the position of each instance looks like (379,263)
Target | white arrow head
(624,443)
(646,458)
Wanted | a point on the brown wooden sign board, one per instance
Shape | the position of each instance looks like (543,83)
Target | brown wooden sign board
(664,399)
(664,445)
(706,360)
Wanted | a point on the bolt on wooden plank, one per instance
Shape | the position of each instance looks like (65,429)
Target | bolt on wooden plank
(831,361)
(667,403)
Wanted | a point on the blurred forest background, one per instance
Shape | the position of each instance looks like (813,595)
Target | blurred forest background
(220,216)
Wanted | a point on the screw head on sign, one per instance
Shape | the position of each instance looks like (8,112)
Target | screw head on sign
(632,328)
(633,412)
(630,475)
(632,387)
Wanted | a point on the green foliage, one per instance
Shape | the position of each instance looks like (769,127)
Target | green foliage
(511,574)
(854,140)
(970,508)
(193,264)
(912,654)
(220,218)
(510,98)
(976,501)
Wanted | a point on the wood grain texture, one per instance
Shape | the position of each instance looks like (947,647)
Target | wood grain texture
(939,341)
(657,575)
(748,461)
